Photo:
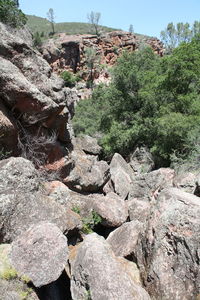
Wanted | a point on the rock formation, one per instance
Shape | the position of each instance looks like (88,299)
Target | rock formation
(68,51)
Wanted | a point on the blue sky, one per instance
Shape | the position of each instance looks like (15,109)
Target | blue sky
(147,16)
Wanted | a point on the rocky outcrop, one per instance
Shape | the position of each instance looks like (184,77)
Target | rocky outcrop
(96,280)
(68,51)
(34,101)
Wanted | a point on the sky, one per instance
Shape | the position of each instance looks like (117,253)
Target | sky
(147,16)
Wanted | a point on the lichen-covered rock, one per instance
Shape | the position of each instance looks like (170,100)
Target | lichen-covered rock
(96,273)
(40,253)
(124,239)
(88,174)
(122,175)
(168,252)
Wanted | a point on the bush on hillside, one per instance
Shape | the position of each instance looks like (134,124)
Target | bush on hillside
(10,14)
(69,78)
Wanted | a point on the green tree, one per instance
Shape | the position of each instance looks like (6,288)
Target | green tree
(10,14)
(51,18)
(94,18)
(151,101)
(37,41)
(92,62)
(131,30)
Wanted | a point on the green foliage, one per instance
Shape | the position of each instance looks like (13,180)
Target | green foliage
(69,78)
(37,40)
(151,101)
(76,209)
(174,35)
(10,14)
(90,222)
(9,273)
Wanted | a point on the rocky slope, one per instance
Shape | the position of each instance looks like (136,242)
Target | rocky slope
(73,226)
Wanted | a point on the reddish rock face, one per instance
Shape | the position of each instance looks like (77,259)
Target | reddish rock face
(67,51)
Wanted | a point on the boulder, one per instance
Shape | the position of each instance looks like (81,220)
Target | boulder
(88,174)
(12,286)
(141,161)
(168,252)
(123,240)
(149,185)
(40,253)
(111,208)
(97,274)
(122,175)
(23,203)
(88,144)
(187,181)
(139,209)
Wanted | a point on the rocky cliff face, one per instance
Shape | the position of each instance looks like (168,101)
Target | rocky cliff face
(77,227)
(68,51)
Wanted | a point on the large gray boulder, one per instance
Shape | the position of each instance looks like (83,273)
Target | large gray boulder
(40,253)
(23,203)
(122,175)
(111,208)
(168,252)
(88,174)
(97,274)
(123,240)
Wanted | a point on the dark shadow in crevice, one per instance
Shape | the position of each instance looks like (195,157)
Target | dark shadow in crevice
(103,231)
(57,290)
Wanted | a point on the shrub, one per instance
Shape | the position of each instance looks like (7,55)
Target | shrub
(10,14)
(69,78)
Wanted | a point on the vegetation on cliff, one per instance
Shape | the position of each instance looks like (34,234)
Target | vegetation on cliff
(151,101)
(11,14)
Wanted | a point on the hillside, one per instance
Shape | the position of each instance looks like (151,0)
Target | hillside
(43,25)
